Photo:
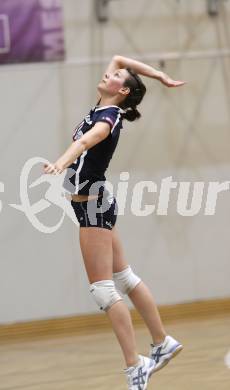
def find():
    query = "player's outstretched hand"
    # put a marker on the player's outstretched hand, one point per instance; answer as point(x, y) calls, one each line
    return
point(166, 80)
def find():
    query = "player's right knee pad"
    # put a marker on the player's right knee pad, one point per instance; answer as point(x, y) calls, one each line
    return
point(105, 293)
point(126, 280)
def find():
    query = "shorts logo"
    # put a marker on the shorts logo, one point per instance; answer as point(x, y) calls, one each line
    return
point(109, 224)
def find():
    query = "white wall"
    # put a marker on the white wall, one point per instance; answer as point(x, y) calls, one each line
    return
point(184, 133)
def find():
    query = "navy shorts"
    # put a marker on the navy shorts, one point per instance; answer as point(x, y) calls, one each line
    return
point(101, 212)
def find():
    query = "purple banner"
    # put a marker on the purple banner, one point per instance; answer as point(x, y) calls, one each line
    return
point(31, 31)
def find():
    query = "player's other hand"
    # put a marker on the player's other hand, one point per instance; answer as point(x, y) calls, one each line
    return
point(52, 169)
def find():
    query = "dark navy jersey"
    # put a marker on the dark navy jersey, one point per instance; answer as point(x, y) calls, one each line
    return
point(87, 174)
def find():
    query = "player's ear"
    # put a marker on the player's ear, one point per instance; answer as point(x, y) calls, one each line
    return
point(124, 91)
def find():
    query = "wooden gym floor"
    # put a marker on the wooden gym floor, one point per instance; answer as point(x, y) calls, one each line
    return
point(94, 361)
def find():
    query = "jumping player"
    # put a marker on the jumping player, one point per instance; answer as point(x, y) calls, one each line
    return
point(120, 91)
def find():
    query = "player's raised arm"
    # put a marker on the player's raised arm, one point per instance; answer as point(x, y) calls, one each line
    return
point(120, 62)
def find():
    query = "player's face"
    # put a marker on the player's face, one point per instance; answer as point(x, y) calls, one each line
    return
point(113, 83)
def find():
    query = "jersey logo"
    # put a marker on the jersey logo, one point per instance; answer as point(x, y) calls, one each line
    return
point(88, 120)
point(78, 135)
point(77, 130)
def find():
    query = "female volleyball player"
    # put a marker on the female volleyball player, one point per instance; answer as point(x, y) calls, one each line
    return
point(120, 92)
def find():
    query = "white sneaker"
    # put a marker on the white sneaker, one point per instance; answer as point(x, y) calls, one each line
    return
point(163, 353)
point(138, 376)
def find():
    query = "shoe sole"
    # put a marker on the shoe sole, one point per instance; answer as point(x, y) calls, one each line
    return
point(166, 361)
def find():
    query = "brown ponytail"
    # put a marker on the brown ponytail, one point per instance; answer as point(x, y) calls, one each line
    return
point(131, 114)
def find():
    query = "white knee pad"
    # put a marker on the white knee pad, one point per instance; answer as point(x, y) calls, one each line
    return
point(105, 293)
point(126, 280)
